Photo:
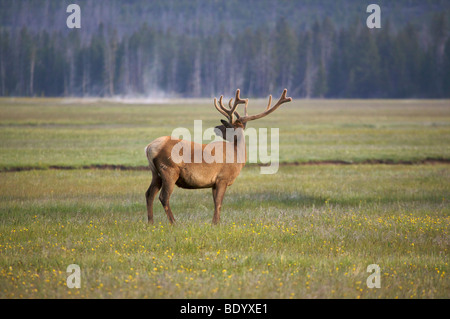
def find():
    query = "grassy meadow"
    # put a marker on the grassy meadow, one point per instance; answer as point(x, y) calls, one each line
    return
point(38, 133)
point(308, 231)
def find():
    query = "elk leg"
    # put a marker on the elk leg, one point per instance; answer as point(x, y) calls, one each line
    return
point(164, 196)
point(218, 194)
point(150, 194)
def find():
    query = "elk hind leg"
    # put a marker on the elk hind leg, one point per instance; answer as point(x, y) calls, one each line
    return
point(150, 195)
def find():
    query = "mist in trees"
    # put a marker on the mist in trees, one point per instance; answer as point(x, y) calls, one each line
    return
point(323, 60)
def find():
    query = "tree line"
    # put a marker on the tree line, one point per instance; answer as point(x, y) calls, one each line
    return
point(323, 60)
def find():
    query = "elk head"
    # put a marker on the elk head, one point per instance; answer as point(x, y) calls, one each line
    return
point(229, 113)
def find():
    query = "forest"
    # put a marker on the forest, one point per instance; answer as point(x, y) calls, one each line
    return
point(176, 50)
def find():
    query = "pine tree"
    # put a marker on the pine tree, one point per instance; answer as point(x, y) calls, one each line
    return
point(446, 67)
point(321, 87)
point(4, 62)
point(284, 54)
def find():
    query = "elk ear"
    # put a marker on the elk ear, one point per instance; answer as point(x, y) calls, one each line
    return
point(219, 130)
point(226, 124)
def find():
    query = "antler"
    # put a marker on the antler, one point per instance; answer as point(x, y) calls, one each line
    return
point(232, 108)
point(283, 99)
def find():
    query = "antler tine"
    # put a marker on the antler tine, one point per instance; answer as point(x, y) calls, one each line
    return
point(237, 101)
point(230, 107)
point(220, 107)
point(230, 112)
point(283, 99)
point(245, 110)
point(270, 102)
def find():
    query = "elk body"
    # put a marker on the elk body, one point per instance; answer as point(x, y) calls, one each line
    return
point(217, 175)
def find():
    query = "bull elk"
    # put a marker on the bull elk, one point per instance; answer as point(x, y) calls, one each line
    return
point(217, 175)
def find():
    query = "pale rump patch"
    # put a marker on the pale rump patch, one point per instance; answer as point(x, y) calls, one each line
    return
point(153, 149)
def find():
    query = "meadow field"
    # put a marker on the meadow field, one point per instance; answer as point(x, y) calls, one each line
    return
point(361, 182)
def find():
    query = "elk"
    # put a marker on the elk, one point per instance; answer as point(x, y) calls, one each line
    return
point(218, 175)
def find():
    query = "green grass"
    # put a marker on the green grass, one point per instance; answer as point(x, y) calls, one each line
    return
point(44, 132)
point(309, 231)
point(305, 232)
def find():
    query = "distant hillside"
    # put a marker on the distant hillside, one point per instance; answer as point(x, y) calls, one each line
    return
point(199, 48)
point(205, 17)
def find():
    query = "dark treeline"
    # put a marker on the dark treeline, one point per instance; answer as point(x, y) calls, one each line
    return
point(323, 60)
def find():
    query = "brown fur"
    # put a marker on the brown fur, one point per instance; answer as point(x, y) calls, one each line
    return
point(168, 172)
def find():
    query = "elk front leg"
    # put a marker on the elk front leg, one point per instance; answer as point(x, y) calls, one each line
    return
point(150, 194)
point(218, 194)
